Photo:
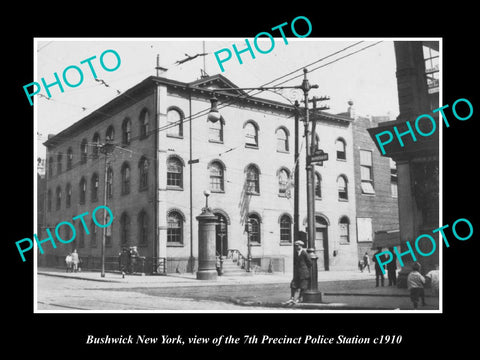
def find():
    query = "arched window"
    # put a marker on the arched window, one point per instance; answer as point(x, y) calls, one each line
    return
point(283, 181)
point(69, 158)
point(175, 123)
point(109, 182)
point(282, 140)
point(126, 131)
point(318, 185)
point(251, 134)
point(174, 228)
point(342, 184)
point(68, 195)
point(124, 228)
point(59, 163)
point(254, 228)
point(142, 228)
point(94, 187)
point(58, 198)
point(253, 180)
point(143, 172)
point(82, 190)
point(144, 124)
point(125, 173)
point(96, 145)
point(344, 225)
point(341, 149)
point(174, 172)
point(83, 151)
point(216, 176)
point(285, 229)
point(110, 134)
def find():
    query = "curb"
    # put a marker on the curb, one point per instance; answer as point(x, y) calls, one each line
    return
point(76, 277)
point(308, 306)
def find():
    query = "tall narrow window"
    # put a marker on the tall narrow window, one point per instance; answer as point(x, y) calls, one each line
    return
point(126, 131)
point(109, 183)
point(282, 140)
point(344, 225)
point(318, 185)
point(283, 180)
point(143, 170)
point(125, 173)
point(174, 172)
point(124, 229)
point(366, 172)
point(83, 151)
point(142, 228)
point(110, 134)
point(174, 228)
point(216, 177)
point(341, 149)
point(342, 188)
point(175, 123)
point(95, 145)
point(251, 134)
point(93, 234)
point(253, 180)
point(393, 178)
point(69, 158)
point(254, 229)
point(68, 195)
point(285, 229)
point(82, 190)
point(94, 187)
point(144, 124)
point(59, 163)
point(58, 198)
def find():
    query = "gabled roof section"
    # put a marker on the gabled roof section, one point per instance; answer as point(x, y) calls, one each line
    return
point(217, 81)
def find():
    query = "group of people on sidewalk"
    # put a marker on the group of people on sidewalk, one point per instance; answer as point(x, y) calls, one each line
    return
point(72, 261)
point(127, 259)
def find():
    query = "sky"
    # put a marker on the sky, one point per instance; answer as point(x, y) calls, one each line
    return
point(363, 73)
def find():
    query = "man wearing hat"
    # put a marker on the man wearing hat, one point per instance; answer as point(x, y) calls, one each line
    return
point(301, 272)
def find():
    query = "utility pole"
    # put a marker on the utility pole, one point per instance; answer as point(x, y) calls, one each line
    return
point(296, 184)
point(107, 150)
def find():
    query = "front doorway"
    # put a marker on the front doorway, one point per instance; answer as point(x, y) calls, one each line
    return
point(221, 235)
point(321, 241)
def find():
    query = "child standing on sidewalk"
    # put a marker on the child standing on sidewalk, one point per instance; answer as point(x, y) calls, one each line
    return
point(415, 283)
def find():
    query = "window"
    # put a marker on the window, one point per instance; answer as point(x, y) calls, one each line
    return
point(68, 195)
point(125, 172)
point(283, 181)
point(174, 228)
point(253, 180)
point(83, 190)
point(109, 183)
point(93, 234)
point(216, 177)
point(215, 131)
point(393, 178)
point(142, 228)
point(94, 187)
point(144, 124)
point(251, 134)
point(254, 228)
point(174, 172)
point(69, 158)
point(58, 198)
point(83, 151)
point(318, 185)
point(96, 145)
point(366, 172)
point(342, 188)
point(175, 123)
point(49, 200)
point(126, 131)
point(50, 167)
point(110, 134)
point(321, 232)
point(285, 229)
point(341, 153)
point(344, 226)
point(124, 228)
point(282, 140)
point(59, 163)
point(143, 170)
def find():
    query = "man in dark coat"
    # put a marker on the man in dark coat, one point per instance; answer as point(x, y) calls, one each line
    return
point(124, 261)
point(301, 272)
point(378, 269)
point(392, 269)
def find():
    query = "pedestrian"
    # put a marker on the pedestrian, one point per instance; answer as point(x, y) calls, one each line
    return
point(301, 273)
point(392, 269)
point(75, 260)
point(124, 261)
point(366, 262)
point(415, 283)
point(378, 270)
point(133, 258)
point(433, 278)
point(68, 262)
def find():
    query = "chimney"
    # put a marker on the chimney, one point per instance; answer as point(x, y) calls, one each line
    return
point(351, 109)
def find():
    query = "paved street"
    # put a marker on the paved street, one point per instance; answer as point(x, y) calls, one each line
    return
point(88, 291)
